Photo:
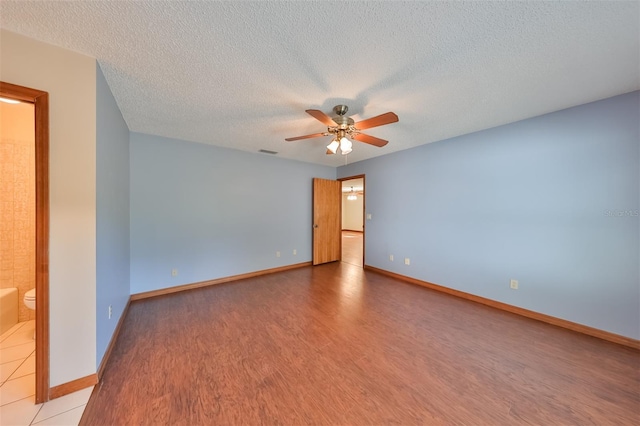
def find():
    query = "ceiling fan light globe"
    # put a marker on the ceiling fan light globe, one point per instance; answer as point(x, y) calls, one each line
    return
point(345, 146)
point(333, 146)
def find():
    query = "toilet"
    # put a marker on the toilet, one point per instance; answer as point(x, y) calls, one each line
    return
point(30, 302)
point(30, 299)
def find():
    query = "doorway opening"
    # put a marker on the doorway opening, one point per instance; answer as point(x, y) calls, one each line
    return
point(38, 189)
point(353, 225)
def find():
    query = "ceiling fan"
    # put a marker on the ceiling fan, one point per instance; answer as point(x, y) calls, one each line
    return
point(342, 127)
point(352, 194)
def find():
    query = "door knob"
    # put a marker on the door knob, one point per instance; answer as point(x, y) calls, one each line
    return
point(315, 225)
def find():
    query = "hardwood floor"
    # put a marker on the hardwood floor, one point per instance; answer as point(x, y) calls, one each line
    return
point(335, 344)
point(352, 245)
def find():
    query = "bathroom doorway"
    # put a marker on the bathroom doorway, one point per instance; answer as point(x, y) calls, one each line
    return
point(353, 225)
point(24, 159)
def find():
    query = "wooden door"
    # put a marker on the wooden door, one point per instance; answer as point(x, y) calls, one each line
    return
point(327, 214)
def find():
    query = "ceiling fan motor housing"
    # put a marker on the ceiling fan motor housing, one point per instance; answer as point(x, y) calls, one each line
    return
point(341, 120)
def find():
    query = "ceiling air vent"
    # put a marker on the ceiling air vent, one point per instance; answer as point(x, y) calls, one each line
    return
point(266, 151)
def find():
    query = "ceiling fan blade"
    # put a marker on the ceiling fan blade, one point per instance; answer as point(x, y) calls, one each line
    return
point(329, 152)
point(297, 138)
point(378, 120)
point(371, 140)
point(321, 117)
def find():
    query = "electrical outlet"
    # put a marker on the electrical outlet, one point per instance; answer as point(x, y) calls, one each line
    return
point(277, 254)
point(368, 216)
point(174, 272)
point(407, 261)
point(110, 311)
point(514, 284)
point(391, 257)
point(295, 252)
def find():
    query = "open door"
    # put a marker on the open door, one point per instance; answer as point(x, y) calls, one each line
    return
point(327, 215)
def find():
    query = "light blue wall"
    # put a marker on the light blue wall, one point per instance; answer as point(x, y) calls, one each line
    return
point(537, 201)
point(112, 214)
point(212, 212)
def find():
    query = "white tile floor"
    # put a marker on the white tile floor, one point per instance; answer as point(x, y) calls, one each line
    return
point(17, 385)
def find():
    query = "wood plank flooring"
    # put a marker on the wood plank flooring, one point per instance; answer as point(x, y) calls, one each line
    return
point(337, 345)
point(352, 245)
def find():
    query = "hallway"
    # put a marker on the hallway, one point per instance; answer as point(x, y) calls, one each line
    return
point(352, 246)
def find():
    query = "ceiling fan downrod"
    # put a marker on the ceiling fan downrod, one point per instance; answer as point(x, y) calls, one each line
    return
point(340, 109)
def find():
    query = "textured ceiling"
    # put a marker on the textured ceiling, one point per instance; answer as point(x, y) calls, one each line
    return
point(241, 74)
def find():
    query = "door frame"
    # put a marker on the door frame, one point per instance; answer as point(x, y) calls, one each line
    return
point(364, 208)
point(40, 100)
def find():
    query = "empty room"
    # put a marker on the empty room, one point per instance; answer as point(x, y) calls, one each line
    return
point(319, 212)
